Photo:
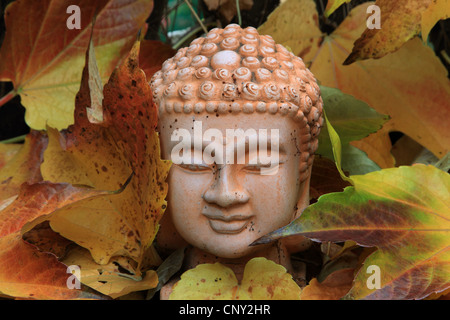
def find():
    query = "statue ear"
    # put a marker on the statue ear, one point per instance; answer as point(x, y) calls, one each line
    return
point(303, 196)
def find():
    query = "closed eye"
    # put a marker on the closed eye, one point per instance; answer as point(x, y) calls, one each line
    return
point(256, 168)
point(195, 167)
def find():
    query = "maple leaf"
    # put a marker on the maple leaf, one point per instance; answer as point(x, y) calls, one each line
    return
point(44, 58)
point(103, 156)
point(404, 212)
point(112, 279)
point(410, 85)
point(25, 272)
point(21, 163)
point(305, 37)
point(400, 21)
point(262, 280)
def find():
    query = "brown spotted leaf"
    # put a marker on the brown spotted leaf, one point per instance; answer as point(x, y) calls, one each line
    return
point(25, 271)
point(399, 22)
point(44, 58)
point(103, 156)
point(404, 212)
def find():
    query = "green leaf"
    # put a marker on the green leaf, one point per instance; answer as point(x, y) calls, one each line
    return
point(336, 147)
point(352, 120)
point(404, 212)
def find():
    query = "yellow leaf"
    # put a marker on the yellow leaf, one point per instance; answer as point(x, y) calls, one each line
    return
point(400, 22)
point(265, 280)
point(410, 85)
point(262, 280)
point(206, 282)
point(295, 24)
point(438, 10)
point(20, 163)
point(332, 5)
point(104, 156)
point(108, 279)
point(44, 58)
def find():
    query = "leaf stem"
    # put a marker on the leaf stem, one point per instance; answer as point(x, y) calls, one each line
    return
point(186, 37)
point(196, 16)
point(15, 139)
point(238, 10)
point(7, 97)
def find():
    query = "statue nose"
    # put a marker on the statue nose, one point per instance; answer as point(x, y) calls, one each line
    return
point(225, 191)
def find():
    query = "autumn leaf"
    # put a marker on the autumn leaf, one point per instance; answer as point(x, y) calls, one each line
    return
point(152, 55)
point(303, 39)
point(25, 271)
point(415, 94)
point(410, 85)
point(404, 212)
point(7, 152)
point(332, 5)
point(44, 58)
point(325, 178)
point(437, 10)
point(334, 287)
point(21, 163)
point(400, 22)
point(103, 156)
point(262, 280)
point(111, 279)
point(46, 240)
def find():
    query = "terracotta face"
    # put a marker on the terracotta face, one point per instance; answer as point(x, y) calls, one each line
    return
point(222, 208)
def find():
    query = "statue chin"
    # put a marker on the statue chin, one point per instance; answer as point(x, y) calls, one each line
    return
point(239, 117)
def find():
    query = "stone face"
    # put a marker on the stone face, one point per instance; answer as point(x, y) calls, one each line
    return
point(234, 78)
point(248, 71)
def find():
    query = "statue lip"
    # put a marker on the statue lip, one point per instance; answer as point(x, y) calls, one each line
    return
point(227, 224)
point(225, 218)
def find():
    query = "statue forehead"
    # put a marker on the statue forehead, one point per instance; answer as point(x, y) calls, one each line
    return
point(238, 73)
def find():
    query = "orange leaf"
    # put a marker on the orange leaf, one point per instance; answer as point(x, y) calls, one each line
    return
point(334, 287)
point(410, 85)
point(103, 156)
point(44, 58)
point(152, 54)
point(26, 272)
point(23, 166)
point(400, 22)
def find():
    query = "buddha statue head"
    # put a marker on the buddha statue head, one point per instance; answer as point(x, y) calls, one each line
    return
point(239, 116)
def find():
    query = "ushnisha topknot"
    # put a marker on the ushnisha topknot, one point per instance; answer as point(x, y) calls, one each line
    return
point(235, 70)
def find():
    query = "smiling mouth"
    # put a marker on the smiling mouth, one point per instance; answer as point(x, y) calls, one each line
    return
point(228, 224)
